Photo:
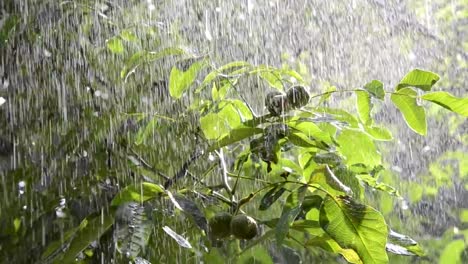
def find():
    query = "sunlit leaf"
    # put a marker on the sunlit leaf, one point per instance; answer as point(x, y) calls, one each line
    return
point(373, 183)
point(448, 101)
point(217, 125)
point(375, 88)
point(310, 129)
point(452, 252)
point(115, 45)
point(364, 106)
point(273, 78)
point(137, 193)
point(357, 147)
point(355, 226)
point(378, 133)
point(327, 243)
point(414, 115)
point(178, 238)
point(417, 78)
point(180, 81)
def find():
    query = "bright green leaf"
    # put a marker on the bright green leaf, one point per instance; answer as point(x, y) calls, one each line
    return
point(452, 252)
point(127, 35)
point(327, 243)
point(234, 135)
point(311, 130)
point(417, 78)
point(355, 226)
point(364, 106)
point(115, 45)
point(448, 101)
point(358, 147)
point(179, 81)
point(378, 133)
point(216, 125)
point(376, 89)
point(137, 193)
point(414, 115)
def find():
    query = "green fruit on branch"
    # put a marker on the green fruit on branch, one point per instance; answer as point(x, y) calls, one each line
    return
point(244, 227)
point(297, 96)
point(220, 225)
point(276, 103)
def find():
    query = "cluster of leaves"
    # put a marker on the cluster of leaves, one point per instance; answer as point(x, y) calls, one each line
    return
point(324, 160)
point(302, 175)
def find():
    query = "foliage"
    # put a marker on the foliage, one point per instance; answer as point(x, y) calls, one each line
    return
point(303, 173)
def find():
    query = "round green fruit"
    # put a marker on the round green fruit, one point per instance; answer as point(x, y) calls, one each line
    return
point(220, 225)
point(297, 96)
point(244, 227)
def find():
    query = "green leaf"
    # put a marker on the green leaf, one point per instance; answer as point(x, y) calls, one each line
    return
point(9, 26)
point(132, 229)
point(356, 226)
point(115, 45)
point(311, 130)
point(448, 101)
point(358, 147)
point(127, 35)
point(145, 131)
point(327, 243)
point(414, 115)
point(373, 183)
point(217, 125)
point(234, 136)
point(340, 115)
point(452, 252)
point(137, 193)
point(90, 230)
point(326, 95)
point(179, 81)
point(364, 106)
point(273, 78)
point(143, 56)
point(417, 78)
point(403, 245)
point(378, 133)
point(375, 88)
point(301, 140)
point(291, 210)
point(183, 242)
point(271, 197)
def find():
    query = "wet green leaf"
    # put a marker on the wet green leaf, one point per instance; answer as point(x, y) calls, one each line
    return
point(417, 78)
point(364, 106)
point(137, 193)
point(128, 35)
point(90, 230)
point(355, 226)
point(376, 89)
point(271, 197)
point(448, 101)
point(115, 45)
point(180, 81)
point(358, 147)
point(414, 115)
point(452, 252)
point(327, 243)
point(291, 210)
point(378, 133)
